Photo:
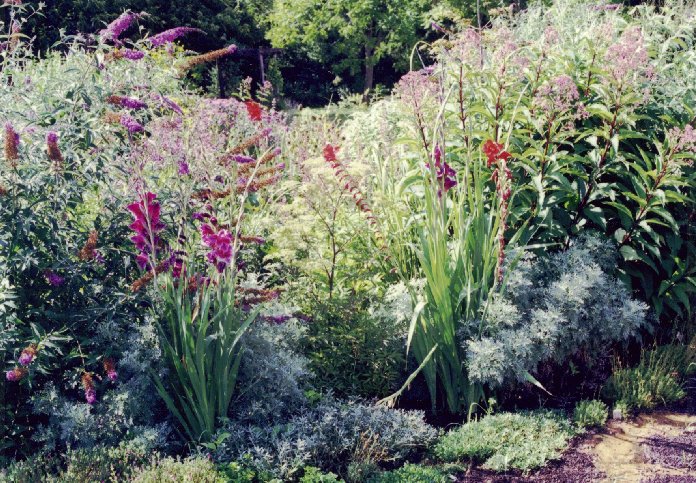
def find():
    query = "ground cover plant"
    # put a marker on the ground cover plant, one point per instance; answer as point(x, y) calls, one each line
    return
point(223, 290)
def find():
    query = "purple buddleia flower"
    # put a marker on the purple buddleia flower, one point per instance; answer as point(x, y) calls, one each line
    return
point(114, 30)
point(54, 279)
point(241, 159)
point(184, 168)
point(171, 35)
point(131, 54)
point(14, 375)
point(131, 124)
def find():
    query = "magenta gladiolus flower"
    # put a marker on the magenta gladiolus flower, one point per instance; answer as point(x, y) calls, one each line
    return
point(220, 244)
point(443, 171)
point(171, 35)
point(146, 226)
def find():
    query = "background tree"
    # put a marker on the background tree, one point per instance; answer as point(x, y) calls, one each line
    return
point(349, 35)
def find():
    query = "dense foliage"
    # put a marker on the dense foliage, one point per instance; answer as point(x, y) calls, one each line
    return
point(219, 289)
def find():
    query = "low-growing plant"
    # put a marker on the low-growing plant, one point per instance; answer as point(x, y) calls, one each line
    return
point(170, 470)
point(330, 436)
point(589, 414)
point(653, 382)
point(315, 475)
point(412, 473)
point(504, 441)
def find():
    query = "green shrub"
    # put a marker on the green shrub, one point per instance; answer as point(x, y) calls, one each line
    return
point(351, 353)
point(654, 381)
point(315, 475)
point(503, 441)
point(412, 473)
point(193, 470)
point(590, 413)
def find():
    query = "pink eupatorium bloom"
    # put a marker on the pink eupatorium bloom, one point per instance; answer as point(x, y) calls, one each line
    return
point(146, 226)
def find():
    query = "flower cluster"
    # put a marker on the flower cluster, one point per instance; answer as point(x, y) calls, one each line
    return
point(11, 144)
point(170, 35)
point(110, 369)
point(28, 354)
point(89, 250)
point(628, 58)
point(254, 110)
point(683, 140)
point(446, 175)
point(16, 374)
point(330, 156)
point(192, 62)
point(127, 102)
point(498, 157)
point(114, 30)
point(89, 388)
point(53, 278)
point(52, 148)
point(131, 124)
point(146, 226)
point(220, 244)
point(557, 96)
point(128, 54)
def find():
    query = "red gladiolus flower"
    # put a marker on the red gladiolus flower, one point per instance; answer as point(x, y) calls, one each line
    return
point(330, 153)
point(254, 110)
point(494, 151)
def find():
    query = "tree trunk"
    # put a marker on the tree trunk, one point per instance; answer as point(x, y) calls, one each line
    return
point(369, 72)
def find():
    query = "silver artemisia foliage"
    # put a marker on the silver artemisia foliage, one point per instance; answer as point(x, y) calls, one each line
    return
point(552, 308)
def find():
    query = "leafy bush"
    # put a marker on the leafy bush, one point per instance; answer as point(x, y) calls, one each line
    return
point(107, 464)
point(590, 413)
point(191, 470)
point(315, 475)
point(352, 353)
point(654, 381)
point(552, 308)
point(328, 436)
point(412, 473)
point(503, 441)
